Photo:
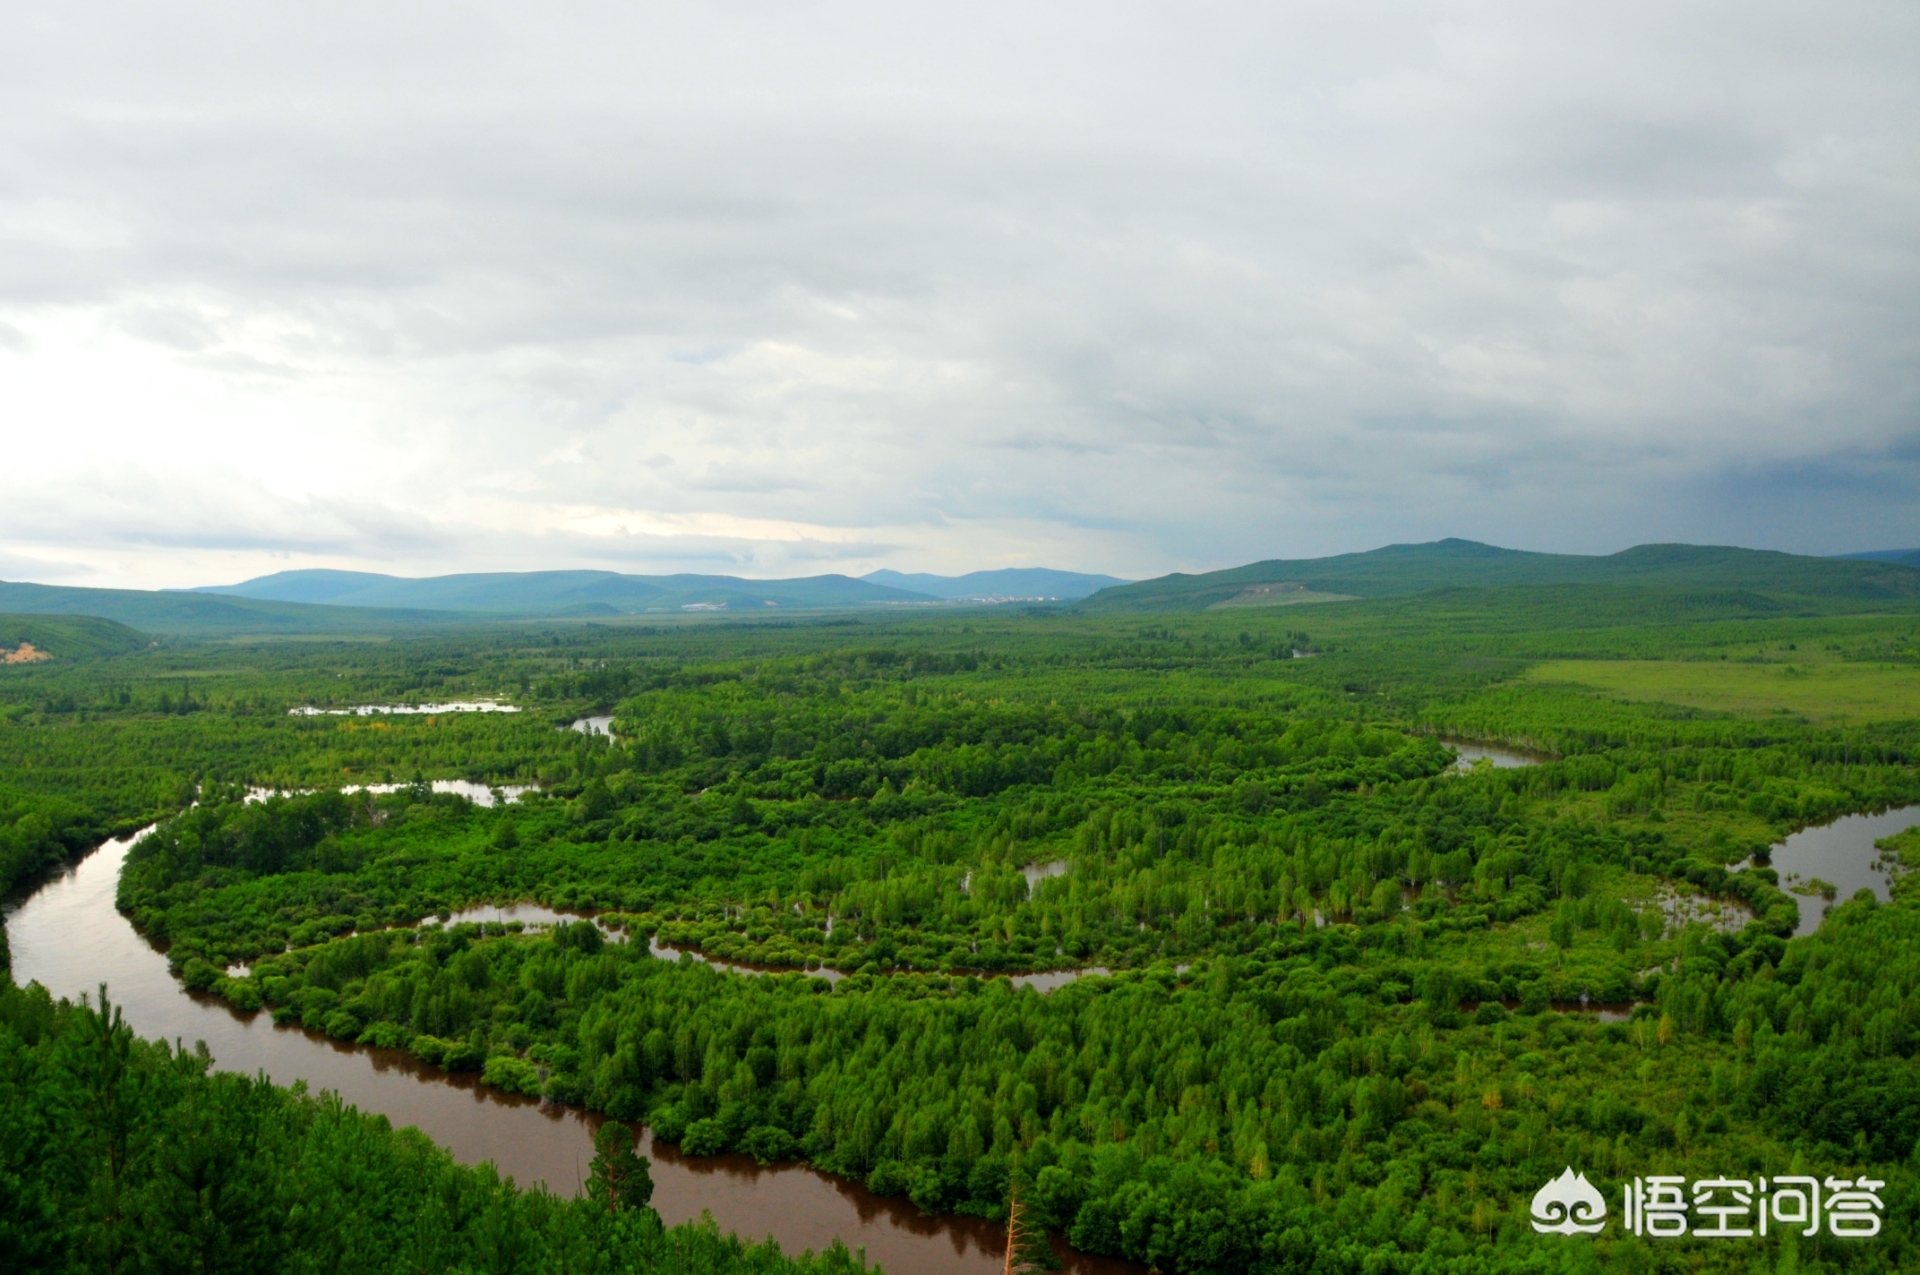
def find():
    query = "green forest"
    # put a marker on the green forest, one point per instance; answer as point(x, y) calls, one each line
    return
point(1314, 993)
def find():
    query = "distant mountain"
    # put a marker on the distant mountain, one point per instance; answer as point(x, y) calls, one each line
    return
point(562, 593)
point(317, 586)
point(198, 615)
point(1905, 557)
point(1407, 569)
point(33, 639)
point(1012, 583)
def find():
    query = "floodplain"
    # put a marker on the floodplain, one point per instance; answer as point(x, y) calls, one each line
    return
point(1214, 956)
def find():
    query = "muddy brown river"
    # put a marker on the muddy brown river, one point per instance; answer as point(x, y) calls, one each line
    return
point(67, 936)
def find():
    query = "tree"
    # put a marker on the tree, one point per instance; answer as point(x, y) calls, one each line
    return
point(1028, 1252)
point(618, 1179)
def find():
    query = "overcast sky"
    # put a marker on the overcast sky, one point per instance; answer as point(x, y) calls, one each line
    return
point(778, 289)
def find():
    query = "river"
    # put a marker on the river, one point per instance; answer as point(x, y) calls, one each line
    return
point(67, 936)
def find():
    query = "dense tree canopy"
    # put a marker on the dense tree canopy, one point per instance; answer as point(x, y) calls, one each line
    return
point(1320, 998)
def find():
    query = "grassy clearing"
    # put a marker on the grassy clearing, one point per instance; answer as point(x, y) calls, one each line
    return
point(1821, 691)
point(1278, 595)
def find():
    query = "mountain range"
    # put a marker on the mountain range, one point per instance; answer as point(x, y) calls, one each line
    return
point(1406, 569)
point(1012, 584)
point(327, 601)
point(341, 602)
point(589, 593)
point(203, 615)
point(564, 593)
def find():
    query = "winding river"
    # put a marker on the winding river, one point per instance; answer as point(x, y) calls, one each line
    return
point(67, 935)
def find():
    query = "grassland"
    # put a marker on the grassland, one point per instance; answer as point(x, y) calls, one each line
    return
point(1816, 688)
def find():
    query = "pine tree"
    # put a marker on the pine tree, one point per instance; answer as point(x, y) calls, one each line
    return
point(618, 1179)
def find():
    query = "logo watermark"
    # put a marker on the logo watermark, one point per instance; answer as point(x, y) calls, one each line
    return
point(1662, 1207)
point(1570, 1205)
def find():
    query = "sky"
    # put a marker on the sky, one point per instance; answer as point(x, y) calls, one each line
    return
point(778, 289)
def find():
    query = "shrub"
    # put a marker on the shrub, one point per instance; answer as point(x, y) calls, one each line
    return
point(704, 1137)
point(243, 994)
point(386, 1036)
point(515, 1075)
point(199, 976)
point(767, 1143)
point(669, 1123)
point(889, 1177)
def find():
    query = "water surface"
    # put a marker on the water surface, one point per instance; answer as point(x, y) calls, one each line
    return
point(535, 914)
point(1842, 854)
point(1501, 758)
point(369, 710)
point(478, 794)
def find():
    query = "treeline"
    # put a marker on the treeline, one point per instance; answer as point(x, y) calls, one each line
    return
point(118, 1154)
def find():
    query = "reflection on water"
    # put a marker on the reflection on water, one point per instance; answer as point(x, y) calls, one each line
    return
point(662, 951)
point(594, 726)
point(1840, 854)
point(1053, 979)
point(804, 1209)
point(369, 710)
point(523, 912)
point(1500, 758)
point(478, 794)
point(1683, 907)
point(535, 914)
point(67, 936)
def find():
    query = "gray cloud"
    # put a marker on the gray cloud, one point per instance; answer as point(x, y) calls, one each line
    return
point(1132, 290)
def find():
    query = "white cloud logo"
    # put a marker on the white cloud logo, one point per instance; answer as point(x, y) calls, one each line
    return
point(1569, 1205)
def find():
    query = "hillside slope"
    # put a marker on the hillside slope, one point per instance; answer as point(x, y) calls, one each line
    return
point(1011, 582)
point(1904, 557)
point(1407, 569)
point(33, 639)
point(198, 615)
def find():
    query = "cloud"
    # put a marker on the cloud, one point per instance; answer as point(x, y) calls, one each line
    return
point(18, 566)
point(949, 289)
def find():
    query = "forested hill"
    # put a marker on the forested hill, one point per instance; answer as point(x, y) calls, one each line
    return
point(199, 615)
point(1408, 569)
point(33, 639)
point(1905, 557)
point(1013, 582)
point(578, 593)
